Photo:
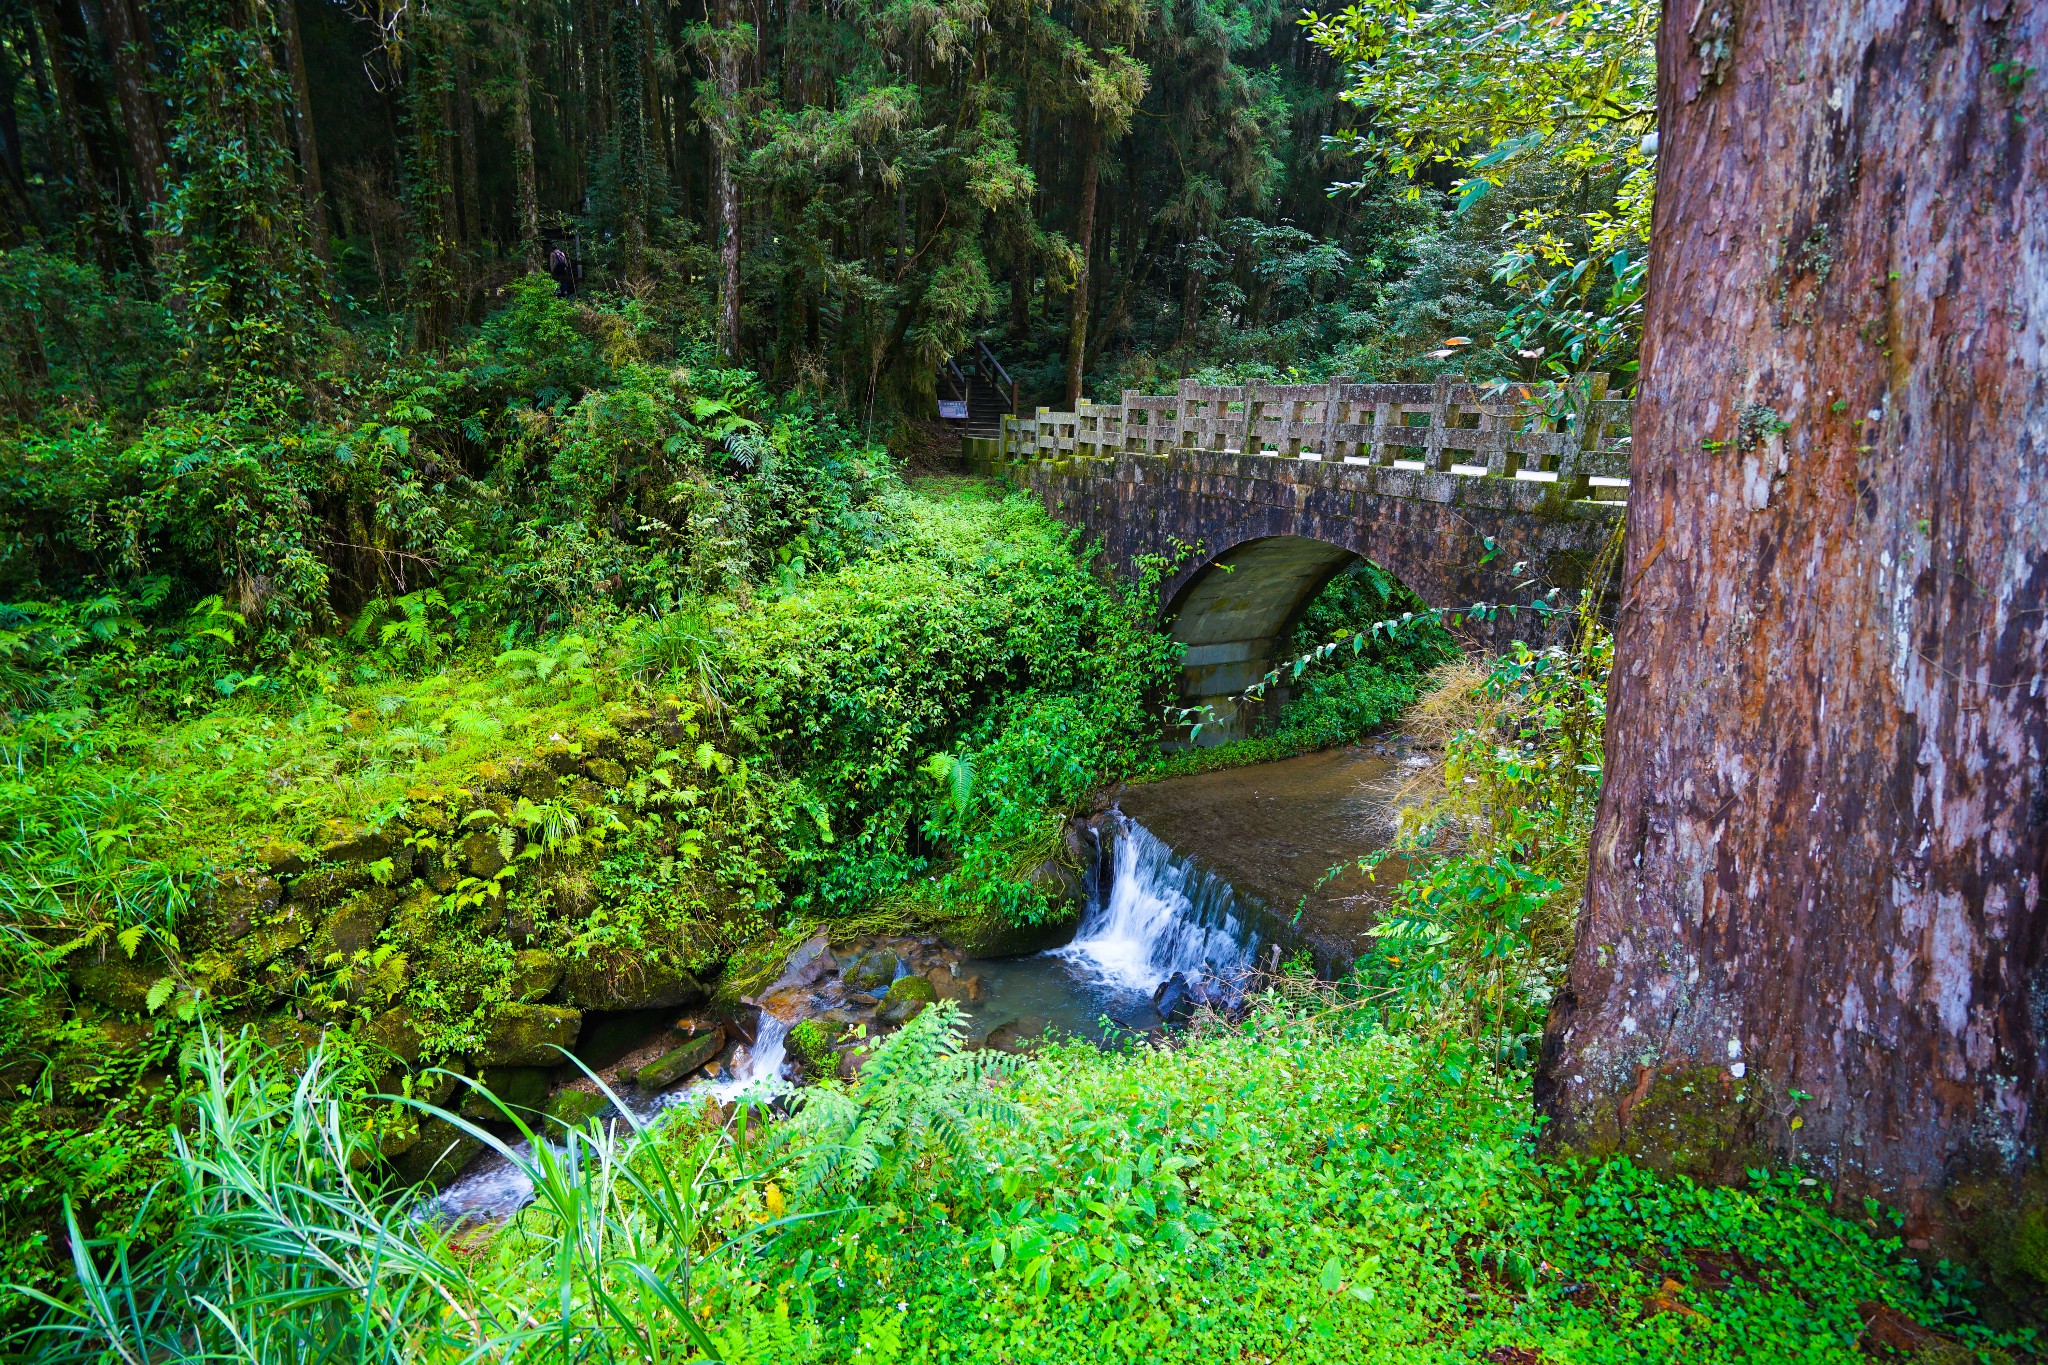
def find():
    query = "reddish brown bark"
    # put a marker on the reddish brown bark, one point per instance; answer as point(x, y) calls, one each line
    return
point(1818, 864)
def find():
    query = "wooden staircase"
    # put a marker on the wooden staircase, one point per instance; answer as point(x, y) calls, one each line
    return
point(990, 393)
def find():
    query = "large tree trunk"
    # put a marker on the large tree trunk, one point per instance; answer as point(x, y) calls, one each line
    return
point(311, 188)
point(1813, 929)
point(629, 85)
point(126, 41)
point(87, 196)
point(465, 128)
point(1077, 335)
point(725, 146)
point(18, 218)
point(524, 172)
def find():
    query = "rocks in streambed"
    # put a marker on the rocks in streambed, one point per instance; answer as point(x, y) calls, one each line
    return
point(437, 1153)
point(665, 1070)
point(872, 971)
point(572, 1108)
point(521, 1089)
point(1178, 999)
point(811, 1045)
point(907, 995)
point(1019, 1035)
point(947, 986)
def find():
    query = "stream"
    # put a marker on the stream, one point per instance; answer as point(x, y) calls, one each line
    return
point(1265, 836)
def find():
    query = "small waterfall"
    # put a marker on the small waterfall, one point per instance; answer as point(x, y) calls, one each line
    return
point(495, 1188)
point(1163, 914)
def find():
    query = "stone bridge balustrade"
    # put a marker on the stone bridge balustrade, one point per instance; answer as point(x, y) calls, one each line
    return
point(1257, 495)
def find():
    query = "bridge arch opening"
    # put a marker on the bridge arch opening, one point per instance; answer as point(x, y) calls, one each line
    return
point(1234, 614)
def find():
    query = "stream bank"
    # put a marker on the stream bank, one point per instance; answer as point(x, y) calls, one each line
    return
point(1188, 885)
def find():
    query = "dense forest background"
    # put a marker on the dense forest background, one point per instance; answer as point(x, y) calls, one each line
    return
point(843, 196)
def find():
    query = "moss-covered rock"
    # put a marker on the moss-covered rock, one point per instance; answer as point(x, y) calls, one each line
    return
point(117, 981)
point(292, 1039)
point(534, 974)
point(527, 1035)
point(665, 1070)
point(237, 901)
point(811, 1045)
point(418, 916)
point(574, 1108)
point(344, 843)
point(327, 884)
point(906, 997)
point(437, 1154)
point(353, 925)
point(482, 853)
point(872, 971)
point(522, 1089)
point(916, 988)
point(396, 1032)
point(628, 984)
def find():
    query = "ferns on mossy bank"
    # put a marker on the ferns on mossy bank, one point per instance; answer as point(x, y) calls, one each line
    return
point(919, 1089)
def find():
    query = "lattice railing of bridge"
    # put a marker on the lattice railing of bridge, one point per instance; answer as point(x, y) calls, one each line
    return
point(1464, 430)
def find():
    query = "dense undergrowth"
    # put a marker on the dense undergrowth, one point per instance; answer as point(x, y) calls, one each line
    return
point(1349, 1173)
point(244, 629)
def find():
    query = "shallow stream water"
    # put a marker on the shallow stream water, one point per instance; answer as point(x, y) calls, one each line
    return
point(1208, 874)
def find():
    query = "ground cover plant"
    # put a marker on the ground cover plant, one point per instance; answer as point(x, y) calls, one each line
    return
point(1305, 1185)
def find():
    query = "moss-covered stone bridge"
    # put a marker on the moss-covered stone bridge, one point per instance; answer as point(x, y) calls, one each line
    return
point(1256, 496)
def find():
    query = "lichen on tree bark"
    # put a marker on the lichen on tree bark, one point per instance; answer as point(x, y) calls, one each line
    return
point(1817, 872)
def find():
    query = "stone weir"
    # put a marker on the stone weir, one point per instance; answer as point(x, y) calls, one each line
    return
point(1253, 497)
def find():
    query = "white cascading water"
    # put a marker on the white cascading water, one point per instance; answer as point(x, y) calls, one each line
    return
point(1163, 915)
point(496, 1188)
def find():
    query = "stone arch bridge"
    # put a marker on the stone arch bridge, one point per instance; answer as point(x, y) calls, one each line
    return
point(1257, 496)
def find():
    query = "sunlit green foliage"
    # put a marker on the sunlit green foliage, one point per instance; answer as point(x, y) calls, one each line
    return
point(1496, 91)
point(1304, 1187)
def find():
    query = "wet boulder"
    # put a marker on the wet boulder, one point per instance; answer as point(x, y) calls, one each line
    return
point(521, 1089)
point(947, 986)
point(437, 1153)
point(872, 971)
point(1019, 1035)
point(1174, 1001)
point(811, 1045)
point(810, 963)
point(665, 1070)
point(994, 936)
point(906, 997)
point(574, 1108)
